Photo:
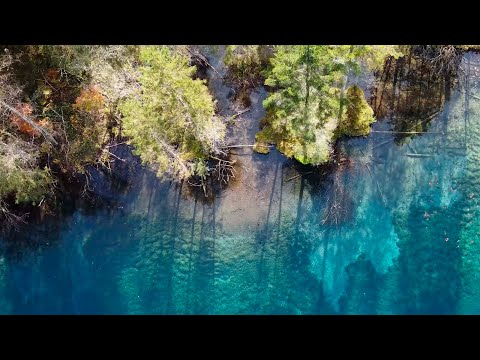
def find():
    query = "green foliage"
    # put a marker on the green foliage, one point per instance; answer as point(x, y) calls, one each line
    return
point(28, 186)
point(245, 63)
point(68, 93)
point(358, 116)
point(242, 57)
point(304, 111)
point(83, 112)
point(468, 47)
point(72, 59)
point(20, 175)
point(171, 122)
point(261, 148)
point(373, 56)
point(266, 136)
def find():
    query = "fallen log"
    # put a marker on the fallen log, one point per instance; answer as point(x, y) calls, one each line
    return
point(406, 132)
point(419, 155)
point(297, 176)
point(233, 117)
point(429, 117)
point(241, 146)
point(30, 122)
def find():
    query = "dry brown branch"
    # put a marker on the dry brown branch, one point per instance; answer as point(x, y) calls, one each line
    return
point(202, 59)
point(87, 187)
point(224, 170)
point(12, 219)
point(29, 121)
point(297, 176)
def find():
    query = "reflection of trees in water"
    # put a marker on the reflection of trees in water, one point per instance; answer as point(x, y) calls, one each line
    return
point(329, 183)
point(413, 88)
point(204, 272)
point(430, 259)
point(339, 205)
point(264, 236)
point(28, 238)
point(426, 278)
point(361, 293)
point(190, 258)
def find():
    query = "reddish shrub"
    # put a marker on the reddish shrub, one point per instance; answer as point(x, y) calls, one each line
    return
point(90, 99)
point(22, 125)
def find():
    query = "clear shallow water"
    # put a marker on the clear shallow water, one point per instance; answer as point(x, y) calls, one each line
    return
point(392, 229)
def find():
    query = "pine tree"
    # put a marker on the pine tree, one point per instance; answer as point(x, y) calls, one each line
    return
point(171, 121)
point(307, 102)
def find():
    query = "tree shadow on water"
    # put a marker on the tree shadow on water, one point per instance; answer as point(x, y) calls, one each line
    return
point(204, 275)
point(262, 238)
point(200, 263)
point(430, 259)
point(156, 257)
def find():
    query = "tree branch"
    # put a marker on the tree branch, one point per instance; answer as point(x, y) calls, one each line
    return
point(32, 123)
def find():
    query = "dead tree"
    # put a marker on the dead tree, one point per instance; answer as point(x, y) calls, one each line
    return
point(11, 219)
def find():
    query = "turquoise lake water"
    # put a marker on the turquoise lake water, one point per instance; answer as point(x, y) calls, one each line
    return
point(389, 229)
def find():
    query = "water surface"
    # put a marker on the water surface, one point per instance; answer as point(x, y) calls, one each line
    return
point(391, 228)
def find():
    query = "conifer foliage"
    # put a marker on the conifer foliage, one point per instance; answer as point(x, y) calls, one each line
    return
point(308, 101)
point(171, 121)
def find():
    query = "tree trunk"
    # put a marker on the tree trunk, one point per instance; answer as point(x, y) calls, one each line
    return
point(32, 123)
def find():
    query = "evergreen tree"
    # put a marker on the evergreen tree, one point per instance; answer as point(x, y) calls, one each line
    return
point(359, 115)
point(307, 104)
point(171, 121)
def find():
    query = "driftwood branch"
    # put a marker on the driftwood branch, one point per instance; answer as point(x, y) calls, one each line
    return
point(227, 161)
point(297, 176)
point(224, 169)
point(115, 156)
point(169, 149)
point(419, 155)
point(406, 132)
point(203, 59)
point(473, 96)
point(121, 143)
point(428, 118)
point(11, 218)
point(233, 117)
point(378, 186)
point(241, 146)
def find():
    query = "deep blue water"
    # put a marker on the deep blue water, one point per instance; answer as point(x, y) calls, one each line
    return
point(390, 229)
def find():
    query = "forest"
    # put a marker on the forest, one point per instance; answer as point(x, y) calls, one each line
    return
point(63, 108)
